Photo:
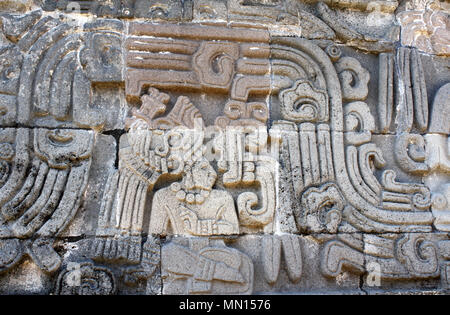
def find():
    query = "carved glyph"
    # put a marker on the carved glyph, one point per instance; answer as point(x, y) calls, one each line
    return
point(407, 256)
point(205, 267)
point(86, 279)
point(48, 79)
point(43, 191)
point(304, 103)
point(224, 147)
point(323, 209)
point(426, 27)
point(354, 79)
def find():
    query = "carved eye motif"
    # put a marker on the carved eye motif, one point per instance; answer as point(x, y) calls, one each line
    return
point(259, 111)
point(158, 11)
point(60, 137)
point(235, 110)
point(62, 147)
point(127, 11)
point(73, 7)
point(8, 71)
point(334, 52)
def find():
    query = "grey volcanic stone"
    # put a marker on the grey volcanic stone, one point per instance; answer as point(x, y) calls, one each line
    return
point(224, 147)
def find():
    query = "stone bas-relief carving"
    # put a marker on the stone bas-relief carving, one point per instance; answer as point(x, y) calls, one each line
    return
point(205, 267)
point(368, 25)
point(53, 72)
point(425, 26)
point(223, 147)
point(170, 10)
point(44, 175)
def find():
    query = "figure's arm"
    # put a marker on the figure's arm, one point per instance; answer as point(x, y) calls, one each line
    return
point(225, 221)
point(159, 219)
point(206, 227)
point(226, 218)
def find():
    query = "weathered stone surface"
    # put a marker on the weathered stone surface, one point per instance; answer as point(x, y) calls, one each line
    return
point(103, 159)
point(224, 147)
point(43, 181)
point(425, 26)
point(16, 5)
point(171, 10)
point(51, 86)
point(210, 10)
point(204, 266)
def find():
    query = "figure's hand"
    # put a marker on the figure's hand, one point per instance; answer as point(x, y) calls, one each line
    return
point(190, 220)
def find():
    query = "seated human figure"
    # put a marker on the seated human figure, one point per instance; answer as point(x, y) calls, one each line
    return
point(192, 206)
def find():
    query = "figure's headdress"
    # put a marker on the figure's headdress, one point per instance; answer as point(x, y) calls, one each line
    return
point(183, 126)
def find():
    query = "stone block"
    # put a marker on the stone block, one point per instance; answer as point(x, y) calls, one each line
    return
point(224, 147)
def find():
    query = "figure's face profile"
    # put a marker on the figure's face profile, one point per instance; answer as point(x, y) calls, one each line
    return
point(200, 176)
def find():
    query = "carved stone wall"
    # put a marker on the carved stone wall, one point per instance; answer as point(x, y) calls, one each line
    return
point(224, 147)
